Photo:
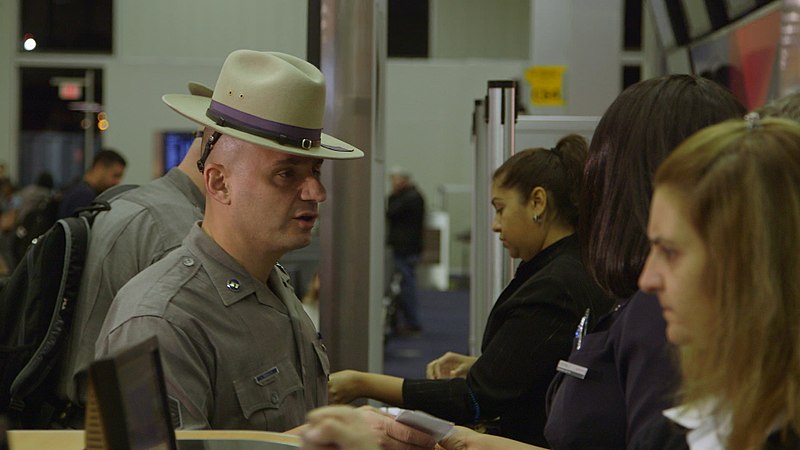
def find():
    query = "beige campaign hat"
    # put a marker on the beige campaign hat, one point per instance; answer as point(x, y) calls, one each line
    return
point(267, 98)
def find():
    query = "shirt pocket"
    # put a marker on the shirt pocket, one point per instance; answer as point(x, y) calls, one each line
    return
point(271, 391)
point(321, 397)
point(322, 356)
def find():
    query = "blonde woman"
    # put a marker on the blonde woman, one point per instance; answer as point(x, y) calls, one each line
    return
point(724, 232)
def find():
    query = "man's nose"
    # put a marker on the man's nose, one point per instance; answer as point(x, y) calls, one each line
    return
point(313, 190)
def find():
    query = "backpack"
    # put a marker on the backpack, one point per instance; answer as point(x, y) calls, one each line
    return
point(37, 303)
point(35, 223)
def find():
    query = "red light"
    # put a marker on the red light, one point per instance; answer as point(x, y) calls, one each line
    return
point(69, 91)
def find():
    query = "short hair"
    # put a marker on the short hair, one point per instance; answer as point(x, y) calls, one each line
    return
point(401, 172)
point(787, 107)
point(557, 170)
point(108, 157)
point(639, 129)
point(740, 189)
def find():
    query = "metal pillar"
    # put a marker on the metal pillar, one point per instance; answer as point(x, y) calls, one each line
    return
point(494, 143)
point(352, 57)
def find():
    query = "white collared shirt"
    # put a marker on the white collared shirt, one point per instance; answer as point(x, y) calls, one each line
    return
point(707, 431)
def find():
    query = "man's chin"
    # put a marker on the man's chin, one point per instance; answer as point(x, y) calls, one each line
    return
point(301, 242)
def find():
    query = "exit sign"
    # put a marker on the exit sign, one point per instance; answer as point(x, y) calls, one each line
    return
point(68, 90)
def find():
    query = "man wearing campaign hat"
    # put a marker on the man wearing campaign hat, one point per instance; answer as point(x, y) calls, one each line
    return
point(238, 350)
point(142, 226)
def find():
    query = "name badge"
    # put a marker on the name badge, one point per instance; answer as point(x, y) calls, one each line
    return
point(266, 377)
point(571, 369)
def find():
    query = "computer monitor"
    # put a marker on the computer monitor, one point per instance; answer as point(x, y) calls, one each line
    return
point(170, 146)
point(129, 396)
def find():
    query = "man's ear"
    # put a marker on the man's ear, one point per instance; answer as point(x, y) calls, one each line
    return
point(216, 181)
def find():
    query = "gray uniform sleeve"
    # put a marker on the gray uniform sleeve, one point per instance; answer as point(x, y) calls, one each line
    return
point(186, 366)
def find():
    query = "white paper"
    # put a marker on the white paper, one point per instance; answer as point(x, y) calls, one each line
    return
point(436, 427)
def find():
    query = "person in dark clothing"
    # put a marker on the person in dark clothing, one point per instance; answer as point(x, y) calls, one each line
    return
point(632, 368)
point(532, 324)
point(107, 170)
point(405, 213)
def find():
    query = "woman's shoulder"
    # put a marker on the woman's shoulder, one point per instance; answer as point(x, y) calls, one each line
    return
point(640, 315)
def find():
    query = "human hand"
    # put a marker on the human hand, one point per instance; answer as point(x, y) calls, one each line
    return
point(394, 435)
point(459, 440)
point(449, 365)
point(343, 386)
point(333, 427)
point(467, 439)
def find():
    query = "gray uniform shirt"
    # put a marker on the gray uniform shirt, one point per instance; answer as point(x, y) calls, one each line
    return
point(237, 353)
point(143, 225)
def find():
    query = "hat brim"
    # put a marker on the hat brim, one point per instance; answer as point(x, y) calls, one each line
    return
point(194, 108)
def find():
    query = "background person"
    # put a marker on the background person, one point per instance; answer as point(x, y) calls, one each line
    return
point(533, 322)
point(731, 303)
point(405, 213)
point(34, 213)
point(107, 170)
point(143, 225)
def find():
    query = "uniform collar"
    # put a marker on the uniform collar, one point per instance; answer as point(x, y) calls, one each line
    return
point(541, 259)
point(231, 281)
point(187, 187)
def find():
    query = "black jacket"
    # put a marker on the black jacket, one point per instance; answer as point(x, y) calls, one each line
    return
point(530, 328)
point(405, 212)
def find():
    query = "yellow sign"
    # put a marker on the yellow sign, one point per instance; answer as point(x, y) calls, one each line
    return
point(546, 85)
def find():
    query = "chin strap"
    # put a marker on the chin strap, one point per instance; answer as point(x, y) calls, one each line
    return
point(201, 163)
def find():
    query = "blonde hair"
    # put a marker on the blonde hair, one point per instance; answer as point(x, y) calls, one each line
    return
point(740, 185)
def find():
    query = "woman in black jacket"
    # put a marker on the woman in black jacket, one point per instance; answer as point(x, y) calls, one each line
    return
point(531, 326)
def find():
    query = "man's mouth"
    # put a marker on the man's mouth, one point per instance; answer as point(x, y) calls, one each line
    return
point(308, 218)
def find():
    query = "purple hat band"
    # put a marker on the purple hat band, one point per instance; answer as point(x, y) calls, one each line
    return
point(226, 116)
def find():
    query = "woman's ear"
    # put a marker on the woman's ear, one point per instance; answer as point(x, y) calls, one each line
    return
point(216, 183)
point(537, 200)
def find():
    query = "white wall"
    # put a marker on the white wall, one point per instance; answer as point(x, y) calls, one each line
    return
point(586, 37)
point(428, 129)
point(8, 85)
point(162, 45)
point(497, 29)
point(430, 102)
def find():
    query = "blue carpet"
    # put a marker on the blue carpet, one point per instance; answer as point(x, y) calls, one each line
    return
point(445, 327)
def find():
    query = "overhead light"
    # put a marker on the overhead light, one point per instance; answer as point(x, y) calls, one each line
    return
point(29, 44)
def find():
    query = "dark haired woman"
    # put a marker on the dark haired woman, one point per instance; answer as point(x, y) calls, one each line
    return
point(631, 368)
point(532, 324)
